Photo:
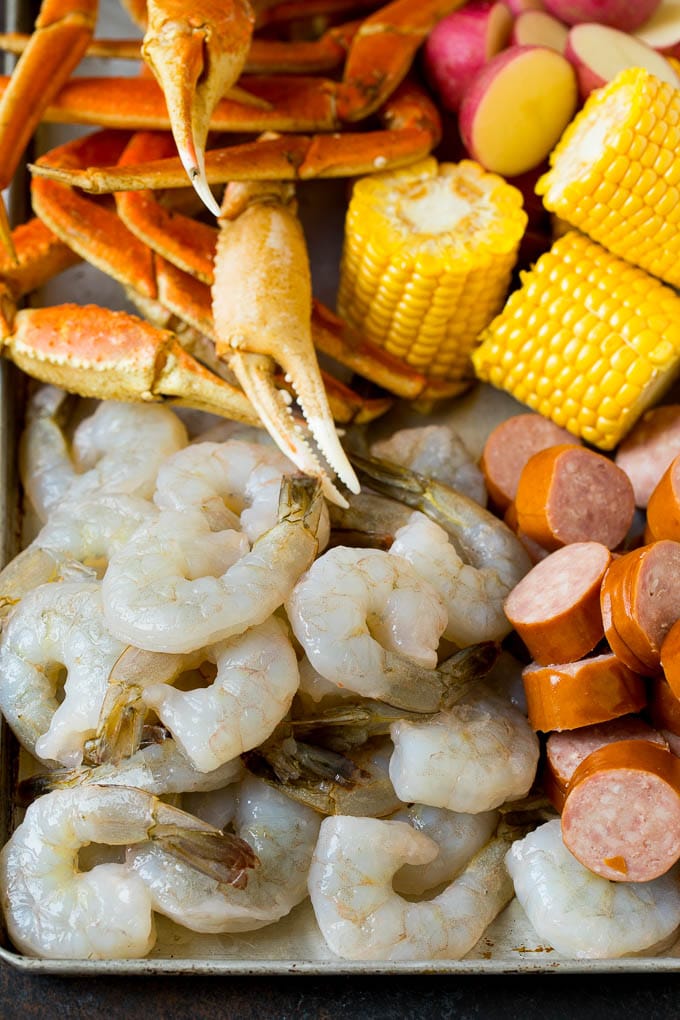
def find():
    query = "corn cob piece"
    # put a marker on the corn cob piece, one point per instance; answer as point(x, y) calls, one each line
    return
point(427, 259)
point(615, 174)
point(588, 340)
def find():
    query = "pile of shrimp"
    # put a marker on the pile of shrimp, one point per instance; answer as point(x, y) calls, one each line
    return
point(244, 698)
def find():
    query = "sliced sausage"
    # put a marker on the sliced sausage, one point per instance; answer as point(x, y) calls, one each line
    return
point(663, 509)
point(640, 601)
point(565, 751)
point(509, 447)
point(664, 707)
point(570, 494)
point(670, 658)
point(574, 694)
point(621, 815)
point(649, 448)
point(555, 608)
point(536, 552)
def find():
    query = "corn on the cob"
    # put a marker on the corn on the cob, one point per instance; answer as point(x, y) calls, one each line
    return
point(615, 174)
point(588, 341)
point(427, 260)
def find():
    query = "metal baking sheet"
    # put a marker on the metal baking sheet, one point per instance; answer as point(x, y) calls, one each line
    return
point(294, 945)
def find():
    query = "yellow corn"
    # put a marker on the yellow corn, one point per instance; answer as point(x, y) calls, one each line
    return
point(588, 340)
point(615, 174)
point(427, 259)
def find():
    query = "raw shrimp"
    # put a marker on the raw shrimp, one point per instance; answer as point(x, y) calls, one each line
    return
point(56, 628)
point(582, 914)
point(458, 837)
point(281, 833)
point(56, 911)
point(168, 589)
point(470, 758)
point(257, 677)
point(486, 560)
point(368, 622)
point(437, 452)
point(360, 915)
point(84, 534)
point(118, 449)
point(159, 768)
point(235, 483)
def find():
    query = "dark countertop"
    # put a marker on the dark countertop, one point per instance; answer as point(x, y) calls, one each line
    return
point(512, 998)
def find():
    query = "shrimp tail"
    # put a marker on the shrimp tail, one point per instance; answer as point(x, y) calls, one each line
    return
point(220, 855)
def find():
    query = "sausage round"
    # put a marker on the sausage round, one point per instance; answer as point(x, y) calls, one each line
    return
point(640, 602)
point(664, 707)
point(649, 448)
point(621, 815)
point(574, 694)
point(509, 447)
point(555, 608)
point(570, 494)
point(663, 508)
point(670, 658)
point(565, 751)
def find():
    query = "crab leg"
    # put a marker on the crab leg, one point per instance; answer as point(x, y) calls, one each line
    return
point(412, 129)
point(196, 53)
point(189, 246)
point(63, 30)
point(265, 56)
point(96, 352)
point(261, 251)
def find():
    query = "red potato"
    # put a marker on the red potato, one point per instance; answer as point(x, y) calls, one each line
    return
point(536, 28)
point(599, 53)
point(461, 44)
point(518, 7)
point(626, 15)
point(662, 30)
point(516, 108)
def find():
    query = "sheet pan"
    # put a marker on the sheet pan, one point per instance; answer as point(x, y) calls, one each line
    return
point(294, 945)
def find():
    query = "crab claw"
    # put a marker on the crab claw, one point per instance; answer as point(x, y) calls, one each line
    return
point(96, 352)
point(197, 53)
point(262, 306)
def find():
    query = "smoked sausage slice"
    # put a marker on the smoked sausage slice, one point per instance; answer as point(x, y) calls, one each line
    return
point(570, 494)
point(509, 447)
point(621, 815)
point(574, 694)
point(555, 608)
point(649, 448)
point(640, 600)
point(565, 751)
point(663, 509)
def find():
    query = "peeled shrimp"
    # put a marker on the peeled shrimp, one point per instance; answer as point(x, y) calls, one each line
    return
point(470, 758)
point(84, 534)
point(257, 677)
point(437, 452)
point(360, 915)
point(479, 567)
point(118, 449)
point(54, 628)
point(234, 481)
point(168, 589)
point(56, 911)
point(368, 622)
point(458, 837)
point(282, 834)
point(581, 914)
